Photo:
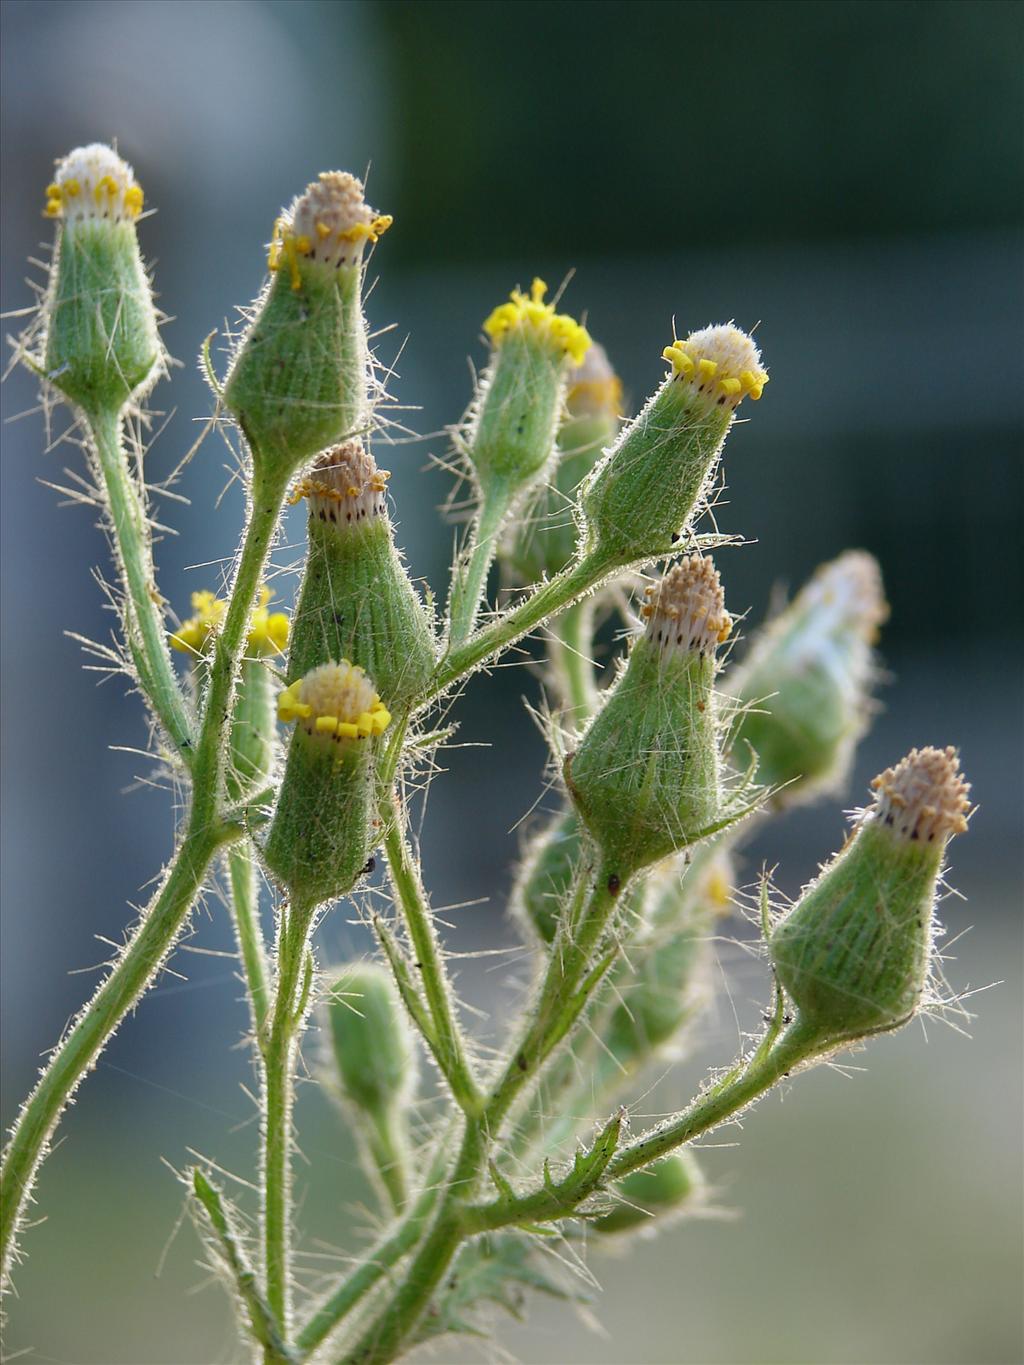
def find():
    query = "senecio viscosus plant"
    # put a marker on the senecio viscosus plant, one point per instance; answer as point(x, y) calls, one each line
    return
point(299, 742)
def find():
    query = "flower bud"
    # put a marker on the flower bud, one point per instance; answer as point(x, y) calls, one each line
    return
point(806, 680)
point(300, 379)
point(854, 951)
point(376, 1065)
point(356, 600)
point(668, 982)
point(101, 344)
point(667, 1187)
point(542, 544)
point(512, 429)
point(645, 778)
point(253, 728)
point(641, 497)
point(324, 829)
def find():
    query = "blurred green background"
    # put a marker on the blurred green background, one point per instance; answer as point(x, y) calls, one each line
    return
point(847, 175)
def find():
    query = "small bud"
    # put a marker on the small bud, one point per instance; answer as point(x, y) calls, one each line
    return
point(854, 951)
point(641, 497)
point(373, 1048)
point(807, 677)
point(544, 542)
point(253, 727)
point(356, 599)
point(668, 1187)
point(300, 379)
point(101, 344)
point(324, 830)
point(512, 430)
point(646, 778)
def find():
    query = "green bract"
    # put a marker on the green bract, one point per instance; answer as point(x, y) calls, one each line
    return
point(356, 601)
point(853, 953)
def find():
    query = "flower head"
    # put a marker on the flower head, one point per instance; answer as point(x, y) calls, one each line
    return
point(329, 222)
point(268, 631)
point(529, 313)
point(344, 486)
point(721, 362)
point(594, 387)
point(94, 183)
point(335, 701)
point(924, 797)
point(685, 611)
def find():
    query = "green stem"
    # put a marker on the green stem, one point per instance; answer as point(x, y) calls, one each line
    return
point(278, 1057)
point(796, 1045)
point(469, 581)
point(244, 877)
point(374, 1266)
point(544, 601)
point(135, 969)
point(386, 1151)
point(133, 551)
point(447, 1044)
point(569, 650)
point(163, 921)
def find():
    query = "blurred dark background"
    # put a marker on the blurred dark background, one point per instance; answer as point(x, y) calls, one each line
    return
point(845, 175)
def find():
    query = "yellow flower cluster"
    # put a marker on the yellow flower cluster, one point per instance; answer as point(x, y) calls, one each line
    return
point(523, 311)
point(337, 701)
point(268, 631)
point(94, 182)
point(720, 360)
point(331, 222)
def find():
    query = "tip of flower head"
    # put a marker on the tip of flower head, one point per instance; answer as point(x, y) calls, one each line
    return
point(685, 611)
point(721, 361)
point(93, 182)
point(329, 222)
point(268, 630)
point(594, 387)
point(924, 797)
point(529, 312)
point(344, 486)
point(335, 701)
point(850, 591)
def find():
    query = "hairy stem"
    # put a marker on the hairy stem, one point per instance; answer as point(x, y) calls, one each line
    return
point(469, 579)
point(243, 875)
point(447, 1043)
point(133, 552)
point(569, 650)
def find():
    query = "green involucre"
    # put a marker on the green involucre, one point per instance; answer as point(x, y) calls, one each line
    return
point(373, 1048)
point(253, 731)
point(102, 345)
point(853, 953)
point(645, 778)
point(356, 602)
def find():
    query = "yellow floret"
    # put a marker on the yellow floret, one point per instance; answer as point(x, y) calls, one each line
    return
point(522, 312)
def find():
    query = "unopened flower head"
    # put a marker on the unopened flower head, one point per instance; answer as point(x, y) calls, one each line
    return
point(594, 387)
point(646, 776)
point(853, 953)
point(373, 1046)
point(344, 486)
point(685, 611)
point(806, 681)
point(101, 343)
point(924, 798)
point(720, 362)
point(652, 482)
point(93, 183)
point(301, 379)
point(329, 223)
point(268, 630)
point(530, 315)
point(335, 702)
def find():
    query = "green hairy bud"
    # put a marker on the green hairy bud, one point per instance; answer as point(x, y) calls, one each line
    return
point(356, 601)
point(854, 951)
point(641, 497)
point(805, 682)
point(300, 379)
point(669, 1187)
point(101, 344)
point(324, 830)
point(512, 429)
point(646, 776)
point(376, 1066)
point(542, 544)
